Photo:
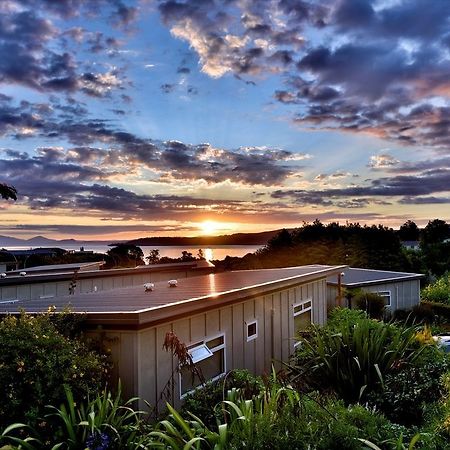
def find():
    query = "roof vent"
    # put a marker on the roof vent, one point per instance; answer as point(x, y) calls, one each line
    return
point(149, 287)
point(172, 283)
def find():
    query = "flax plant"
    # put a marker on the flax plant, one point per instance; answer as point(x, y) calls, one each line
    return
point(354, 358)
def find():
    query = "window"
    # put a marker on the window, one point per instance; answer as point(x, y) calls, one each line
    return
point(252, 330)
point(209, 359)
point(386, 296)
point(302, 316)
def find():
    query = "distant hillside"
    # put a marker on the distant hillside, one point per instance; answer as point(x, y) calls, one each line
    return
point(230, 239)
point(42, 241)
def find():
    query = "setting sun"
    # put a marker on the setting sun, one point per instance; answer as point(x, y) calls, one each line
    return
point(209, 227)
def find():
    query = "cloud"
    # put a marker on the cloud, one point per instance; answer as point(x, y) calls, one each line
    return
point(349, 65)
point(37, 52)
point(383, 161)
point(403, 188)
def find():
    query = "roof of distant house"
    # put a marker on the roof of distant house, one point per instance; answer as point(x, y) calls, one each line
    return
point(14, 277)
point(60, 268)
point(134, 305)
point(354, 277)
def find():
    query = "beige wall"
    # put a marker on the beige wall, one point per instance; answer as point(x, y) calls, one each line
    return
point(404, 294)
point(145, 368)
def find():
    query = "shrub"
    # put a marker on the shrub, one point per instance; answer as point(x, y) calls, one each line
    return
point(282, 418)
point(353, 358)
point(340, 316)
point(408, 388)
point(439, 291)
point(201, 402)
point(106, 422)
point(36, 361)
point(370, 302)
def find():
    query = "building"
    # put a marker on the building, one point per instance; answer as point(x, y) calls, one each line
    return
point(50, 269)
point(411, 245)
point(243, 319)
point(46, 282)
point(401, 290)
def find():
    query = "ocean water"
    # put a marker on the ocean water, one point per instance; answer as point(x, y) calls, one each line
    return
point(217, 252)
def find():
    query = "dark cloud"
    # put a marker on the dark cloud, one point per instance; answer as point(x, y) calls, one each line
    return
point(98, 143)
point(424, 200)
point(373, 68)
point(404, 188)
point(89, 230)
point(36, 52)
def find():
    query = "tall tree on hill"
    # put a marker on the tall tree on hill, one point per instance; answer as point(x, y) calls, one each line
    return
point(435, 232)
point(409, 231)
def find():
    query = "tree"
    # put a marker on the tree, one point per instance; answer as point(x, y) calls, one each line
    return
point(127, 255)
point(435, 232)
point(153, 257)
point(8, 191)
point(409, 231)
point(187, 256)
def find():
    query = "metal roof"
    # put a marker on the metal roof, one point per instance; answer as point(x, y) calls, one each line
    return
point(355, 277)
point(190, 292)
point(14, 278)
point(51, 268)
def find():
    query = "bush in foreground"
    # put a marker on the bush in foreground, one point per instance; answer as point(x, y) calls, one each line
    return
point(36, 361)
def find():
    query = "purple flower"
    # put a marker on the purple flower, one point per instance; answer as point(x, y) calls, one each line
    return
point(97, 441)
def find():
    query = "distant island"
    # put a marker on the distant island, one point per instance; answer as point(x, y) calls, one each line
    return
point(231, 239)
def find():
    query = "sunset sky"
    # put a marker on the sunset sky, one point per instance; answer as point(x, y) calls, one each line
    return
point(121, 119)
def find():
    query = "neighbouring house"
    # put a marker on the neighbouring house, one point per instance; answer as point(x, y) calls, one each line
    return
point(50, 269)
point(46, 282)
point(411, 245)
point(243, 319)
point(401, 290)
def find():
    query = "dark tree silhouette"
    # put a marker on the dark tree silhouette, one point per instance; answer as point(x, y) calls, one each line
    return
point(7, 191)
point(409, 231)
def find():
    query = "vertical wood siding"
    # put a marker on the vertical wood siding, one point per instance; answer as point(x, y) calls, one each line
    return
point(153, 366)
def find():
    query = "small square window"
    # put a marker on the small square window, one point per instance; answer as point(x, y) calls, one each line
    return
point(252, 330)
point(386, 296)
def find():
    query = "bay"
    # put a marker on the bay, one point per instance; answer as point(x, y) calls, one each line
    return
point(213, 252)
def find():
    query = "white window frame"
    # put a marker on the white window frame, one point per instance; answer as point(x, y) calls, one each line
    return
point(203, 344)
point(299, 308)
point(386, 295)
point(253, 336)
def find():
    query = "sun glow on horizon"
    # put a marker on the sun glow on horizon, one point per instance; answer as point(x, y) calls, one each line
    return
point(209, 227)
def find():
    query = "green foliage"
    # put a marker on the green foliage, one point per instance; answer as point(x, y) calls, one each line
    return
point(106, 422)
point(213, 392)
point(280, 418)
point(439, 291)
point(353, 358)
point(36, 360)
point(370, 302)
point(408, 388)
point(339, 316)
